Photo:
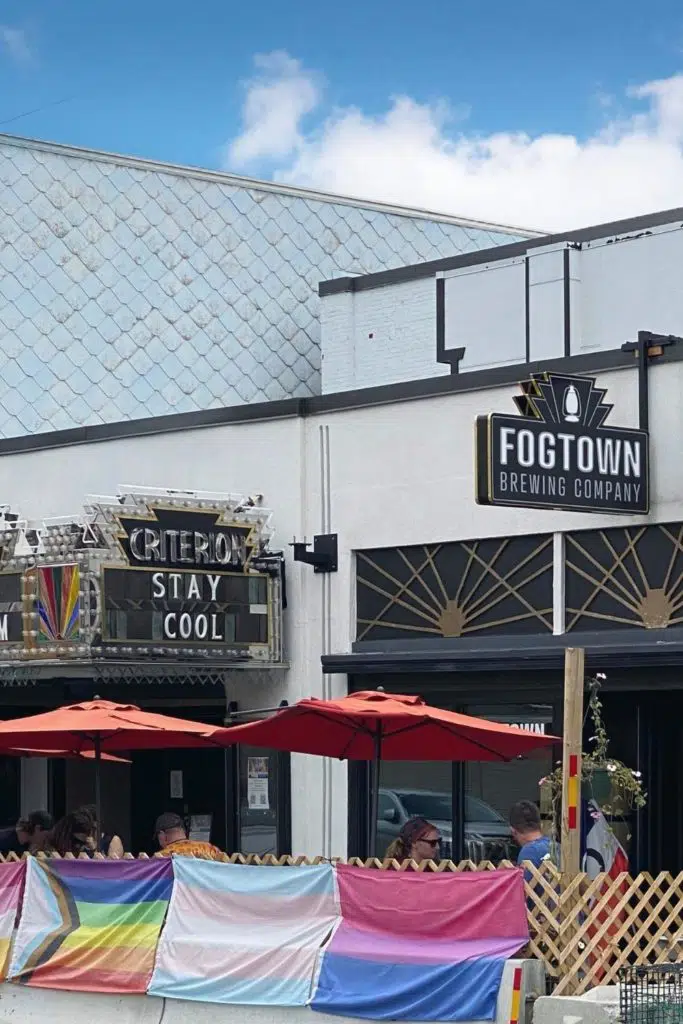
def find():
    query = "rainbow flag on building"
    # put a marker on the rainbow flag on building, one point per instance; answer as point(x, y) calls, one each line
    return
point(12, 877)
point(91, 926)
point(418, 946)
point(244, 934)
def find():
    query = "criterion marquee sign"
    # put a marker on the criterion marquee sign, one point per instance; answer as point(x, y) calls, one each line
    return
point(188, 582)
point(559, 453)
point(157, 576)
point(178, 539)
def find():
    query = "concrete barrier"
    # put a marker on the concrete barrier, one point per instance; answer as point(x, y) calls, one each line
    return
point(22, 1005)
point(598, 1006)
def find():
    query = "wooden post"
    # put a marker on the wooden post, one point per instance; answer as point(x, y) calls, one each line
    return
point(570, 836)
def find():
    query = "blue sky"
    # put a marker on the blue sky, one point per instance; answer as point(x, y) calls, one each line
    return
point(167, 80)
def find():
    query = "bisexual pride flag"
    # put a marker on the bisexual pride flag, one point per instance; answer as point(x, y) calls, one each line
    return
point(244, 933)
point(91, 925)
point(421, 946)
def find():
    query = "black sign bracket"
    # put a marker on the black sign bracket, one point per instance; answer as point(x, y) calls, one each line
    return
point(323, 557)
point(647, 346)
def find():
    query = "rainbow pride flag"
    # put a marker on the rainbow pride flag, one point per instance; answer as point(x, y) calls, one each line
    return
point(12, 877)
point(244, 934)
point(417, 946)
point(91, 926)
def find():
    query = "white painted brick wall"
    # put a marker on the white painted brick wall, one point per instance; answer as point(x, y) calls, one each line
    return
point(379, 336)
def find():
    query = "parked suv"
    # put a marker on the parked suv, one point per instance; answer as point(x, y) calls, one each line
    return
point(487, 834)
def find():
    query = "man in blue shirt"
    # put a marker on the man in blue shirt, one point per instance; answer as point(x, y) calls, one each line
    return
point(535, 847)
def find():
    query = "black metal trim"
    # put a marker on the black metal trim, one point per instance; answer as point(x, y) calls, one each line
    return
point(527, 313)
point(283, 812)
point(641, 349)
point(232, 799)
point(441, 320)
point(358, 815)
point(458, 810)
point(360, 398)
point(415, 271)
point(614, 649)
point(567, 297)
point(451, 357)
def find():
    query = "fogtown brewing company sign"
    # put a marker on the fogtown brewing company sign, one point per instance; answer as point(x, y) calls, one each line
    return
point(559, 453)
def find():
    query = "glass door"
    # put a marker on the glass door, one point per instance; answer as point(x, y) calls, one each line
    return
point(261, 791)
point(415, 789)
point(492, 787)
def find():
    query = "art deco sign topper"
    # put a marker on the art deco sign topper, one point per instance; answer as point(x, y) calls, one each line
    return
point(559, 453)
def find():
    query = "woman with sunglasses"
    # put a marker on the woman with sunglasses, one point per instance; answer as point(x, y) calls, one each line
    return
point(72, 834)
point(418, 840)
point(109, 844)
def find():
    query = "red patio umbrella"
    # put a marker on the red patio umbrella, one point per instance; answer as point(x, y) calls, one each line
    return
point(83, 755)
point(376, 726)
point(99, 726)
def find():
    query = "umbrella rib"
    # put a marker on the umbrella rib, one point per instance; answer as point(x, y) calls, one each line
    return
point(452, 731)
point(357, 727)
point(337, 718)
point(353, 726)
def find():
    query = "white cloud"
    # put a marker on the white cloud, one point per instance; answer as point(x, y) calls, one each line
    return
point(277, 100)
point(14, 42)
point(415, 154)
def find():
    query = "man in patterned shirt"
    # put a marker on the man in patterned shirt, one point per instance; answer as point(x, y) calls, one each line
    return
point(171, 834)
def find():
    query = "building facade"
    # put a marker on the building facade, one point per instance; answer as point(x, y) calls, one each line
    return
point(130, 292)
point(132, 289)
point(469, 604)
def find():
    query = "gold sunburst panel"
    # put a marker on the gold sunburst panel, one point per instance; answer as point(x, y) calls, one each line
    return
point(627, 577)
point(501, 585)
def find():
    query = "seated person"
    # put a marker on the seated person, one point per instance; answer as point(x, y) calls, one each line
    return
point(535, 846)
point(171, 835)
point(107, 843)
point(72, 834)
point(28, 835)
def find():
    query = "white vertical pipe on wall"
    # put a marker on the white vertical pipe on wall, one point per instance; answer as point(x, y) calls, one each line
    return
point(327, 577)
point(558, 584)
point(326, 626)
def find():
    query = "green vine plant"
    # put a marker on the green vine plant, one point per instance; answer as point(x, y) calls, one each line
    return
point(622, 786)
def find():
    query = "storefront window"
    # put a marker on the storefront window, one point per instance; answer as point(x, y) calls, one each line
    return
point(410, 789)
point(258, 803)
point(492, 787)
point(9, 790)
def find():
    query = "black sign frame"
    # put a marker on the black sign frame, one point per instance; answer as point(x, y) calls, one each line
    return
point(180, 606)
point(170, 537)
point(562, 418)
point(11, 609)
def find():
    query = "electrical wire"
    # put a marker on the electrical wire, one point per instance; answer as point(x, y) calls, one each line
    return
point(37, 110)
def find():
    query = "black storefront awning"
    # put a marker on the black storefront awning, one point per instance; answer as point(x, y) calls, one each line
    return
point(607, 649)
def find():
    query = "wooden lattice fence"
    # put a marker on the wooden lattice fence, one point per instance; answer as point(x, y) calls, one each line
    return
point(582, 929)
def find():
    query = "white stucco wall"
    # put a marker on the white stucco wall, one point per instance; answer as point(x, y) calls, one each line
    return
point(619, 284)
point(399, 473)
point(380, 336)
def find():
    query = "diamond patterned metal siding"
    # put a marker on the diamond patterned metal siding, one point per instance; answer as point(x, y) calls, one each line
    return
point(130, 290)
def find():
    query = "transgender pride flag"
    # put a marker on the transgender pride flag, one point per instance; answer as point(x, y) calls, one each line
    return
point(418, 946)
point(244, 933)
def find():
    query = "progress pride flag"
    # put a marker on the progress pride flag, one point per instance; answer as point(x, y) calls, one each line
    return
point(420, 946)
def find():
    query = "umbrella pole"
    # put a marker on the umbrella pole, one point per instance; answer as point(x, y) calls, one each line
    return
point(374, 799)
point(98, 788)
